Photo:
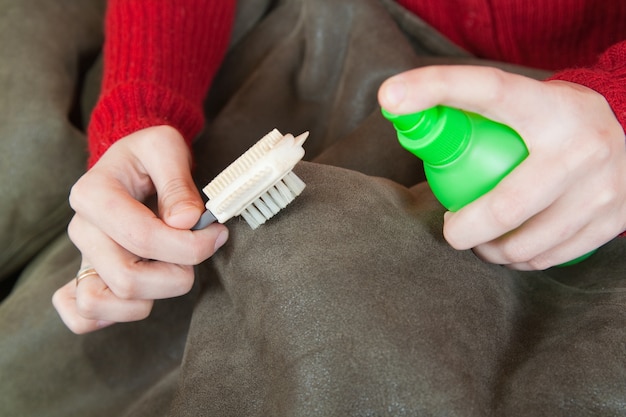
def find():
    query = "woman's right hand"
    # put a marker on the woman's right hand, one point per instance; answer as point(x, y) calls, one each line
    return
point(566, 198)
point(139, 255)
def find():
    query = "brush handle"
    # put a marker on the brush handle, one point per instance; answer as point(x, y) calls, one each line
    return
point(206, 219)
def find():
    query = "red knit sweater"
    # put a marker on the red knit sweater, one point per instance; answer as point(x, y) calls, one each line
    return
point(161, 55)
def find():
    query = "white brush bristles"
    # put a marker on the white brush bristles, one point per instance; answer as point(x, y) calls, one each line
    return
point(260, 182)
point(273, 201)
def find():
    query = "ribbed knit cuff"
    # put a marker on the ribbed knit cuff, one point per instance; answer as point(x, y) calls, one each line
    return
point(160, 57)
point(134, 106)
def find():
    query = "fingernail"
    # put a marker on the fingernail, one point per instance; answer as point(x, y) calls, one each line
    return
point(395, 92)
point(221, 239)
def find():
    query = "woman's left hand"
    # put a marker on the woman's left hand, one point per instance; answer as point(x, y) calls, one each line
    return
point(566, 198)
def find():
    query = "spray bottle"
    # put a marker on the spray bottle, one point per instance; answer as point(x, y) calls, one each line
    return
point(465, 155)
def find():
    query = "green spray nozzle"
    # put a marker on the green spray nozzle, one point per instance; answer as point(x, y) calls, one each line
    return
point(404, 122)
point(436, 135)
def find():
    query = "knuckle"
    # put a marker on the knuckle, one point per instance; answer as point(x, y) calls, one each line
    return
point(186, 280)
point(450, 235)
point(596, 148)
point(508, 212)
point(60, 301)
point(77, 327)
point(198, 253)
point(77, 194)
point(73, 230)
point(124, 286)
point(124, 289)
point(74, 198)
point(497, 91)
point(437, 81)
point(88, 305)
point(515, 252)
point(143, 311)
point(539, 263)
point(608, 196)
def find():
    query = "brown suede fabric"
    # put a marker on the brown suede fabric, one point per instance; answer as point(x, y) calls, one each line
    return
point(348, 302)
point(44, 45)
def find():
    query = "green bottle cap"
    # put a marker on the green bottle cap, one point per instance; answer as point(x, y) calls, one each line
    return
point(436, 135)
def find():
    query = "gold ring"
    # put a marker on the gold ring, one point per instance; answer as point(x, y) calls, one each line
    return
point(84, 273)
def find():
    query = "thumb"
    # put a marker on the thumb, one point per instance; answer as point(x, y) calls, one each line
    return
point(180, 204)
point(169, 166)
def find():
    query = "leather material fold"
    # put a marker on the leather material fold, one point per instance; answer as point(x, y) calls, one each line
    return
point(349, 302)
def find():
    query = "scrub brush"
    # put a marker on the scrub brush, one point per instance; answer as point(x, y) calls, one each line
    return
point(258, 184)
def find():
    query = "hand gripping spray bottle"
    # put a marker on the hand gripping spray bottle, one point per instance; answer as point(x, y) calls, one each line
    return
point(465, 155)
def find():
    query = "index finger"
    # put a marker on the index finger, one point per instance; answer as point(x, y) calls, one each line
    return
point(139, 230)
point(514, 200)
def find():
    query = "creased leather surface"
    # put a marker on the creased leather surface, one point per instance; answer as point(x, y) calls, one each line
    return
point(43, 46)
point(349, 302)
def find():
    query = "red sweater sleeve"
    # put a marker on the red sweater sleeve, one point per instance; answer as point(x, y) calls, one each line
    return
point(159, 59)
point(607, 77)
